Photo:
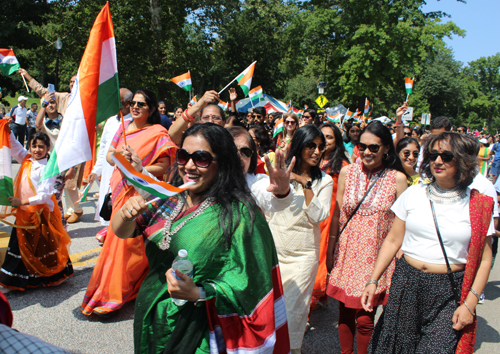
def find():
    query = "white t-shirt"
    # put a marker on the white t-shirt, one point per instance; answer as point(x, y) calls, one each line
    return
point(20, 113)
point(421, 241)
point(484, 186)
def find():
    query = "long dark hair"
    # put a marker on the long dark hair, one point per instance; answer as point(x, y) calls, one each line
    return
point(405, 142)
point(392, 160)
point(152, 101)
point(229, 188)
point(263, 138)
point(303, 136)
point(236, 131)
point(334, 164)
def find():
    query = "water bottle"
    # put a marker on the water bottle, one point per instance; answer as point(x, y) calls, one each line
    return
point(183, 264)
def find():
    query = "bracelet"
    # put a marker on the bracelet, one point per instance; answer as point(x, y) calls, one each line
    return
point(475, 293)
point(45, 104)
point(398, 124)
point(184, 116)
point(125, 220)
point(468, 308)
point(371, 281)
point(281, 196)
point(189, 118)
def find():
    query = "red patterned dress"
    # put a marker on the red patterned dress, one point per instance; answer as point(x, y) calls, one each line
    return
point(357, 248)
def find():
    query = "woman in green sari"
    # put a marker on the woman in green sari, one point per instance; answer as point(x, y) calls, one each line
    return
point(235, 297)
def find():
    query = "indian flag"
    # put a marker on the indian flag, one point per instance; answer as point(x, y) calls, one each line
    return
point(348, 114)
point(255, 93)
point(289, 104)
point(335, 118)
point(8, 62)
point(83, 195)
point(278, 127)
point(6, 189)
point(183, 81)
point(159, 189)
point(367, 106)
point(193, 101)
point(245, 78)
point(95, 97)
point(223, 105)
point(305, 107)
point(409, 85)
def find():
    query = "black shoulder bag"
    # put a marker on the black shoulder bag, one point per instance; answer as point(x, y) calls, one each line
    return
point(450, 273)
point(361, 202)
point(107, 207)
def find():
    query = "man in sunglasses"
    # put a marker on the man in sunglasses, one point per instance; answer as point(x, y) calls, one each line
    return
point(462, 130)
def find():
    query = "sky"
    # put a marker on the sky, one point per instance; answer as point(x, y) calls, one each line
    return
point(479, 19)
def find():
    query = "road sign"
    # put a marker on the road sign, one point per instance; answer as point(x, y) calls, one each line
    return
point(408, 115)
point(426, 119)
point(321, 101)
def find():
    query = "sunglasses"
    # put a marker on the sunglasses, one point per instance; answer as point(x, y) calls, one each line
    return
point(139, 104)
point(407, 134)
point(313, 146)
point(407, 153)
point(446, 156)
point(461, 131)
point(201, 158)
point(372, 147)
point(246, 152)
point(290, 122)
point(307, 117)
point(256, 116)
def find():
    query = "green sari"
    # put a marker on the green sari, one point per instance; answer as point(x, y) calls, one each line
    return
point(244, 305)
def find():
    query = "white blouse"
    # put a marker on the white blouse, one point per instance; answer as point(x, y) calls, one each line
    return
point(45, 188)
point(421, 241)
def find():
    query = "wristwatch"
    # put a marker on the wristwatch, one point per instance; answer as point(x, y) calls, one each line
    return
point(45, 104)
point(308, 185)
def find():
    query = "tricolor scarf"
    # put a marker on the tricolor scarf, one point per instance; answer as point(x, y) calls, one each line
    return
point(480, 210)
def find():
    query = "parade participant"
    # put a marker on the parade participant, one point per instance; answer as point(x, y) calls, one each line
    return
point(30, 122)
point(334, 159)
point(162, 108)
point(483, 157)
point(296, 230)
point(416, 134)
point(122, 264)
point(361, 221)
point(272, 193)
point(291, 122)
point(235, 297)
point(309, 117)
point(408, 150)
point(18, 114)
point(352, 139)
point(462, 129)
point(102, 169)
point(443, 230)
point(38, 246)
point(177, 112)
point(263, 142)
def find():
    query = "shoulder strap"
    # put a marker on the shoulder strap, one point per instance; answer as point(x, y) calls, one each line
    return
point(450, 273)
point(361, 202)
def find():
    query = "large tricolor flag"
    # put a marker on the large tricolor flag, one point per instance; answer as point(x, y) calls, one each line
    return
point(6, 189)
point(245, 78)
point(94, 98)
point(183, 81)
point(409, 85)
point(8, 62)
point(150, 185)
point(335, 118)
point(278, 127)
point(255, 93)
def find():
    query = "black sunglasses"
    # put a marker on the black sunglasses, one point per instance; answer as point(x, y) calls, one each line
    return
point(446, 156)
point(313, 146)
point(245, 152)
point(407, 134)
point(139, 104)
point(373, 147)
point(256, 116)
point(407, 153)
point(201, 158)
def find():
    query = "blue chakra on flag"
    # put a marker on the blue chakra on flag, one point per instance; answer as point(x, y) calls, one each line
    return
point(182, 84)
point(139, 180)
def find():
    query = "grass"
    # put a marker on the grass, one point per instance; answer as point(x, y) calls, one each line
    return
point(13, 101)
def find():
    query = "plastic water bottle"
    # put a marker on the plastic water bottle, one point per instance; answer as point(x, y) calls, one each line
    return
point(183, 264)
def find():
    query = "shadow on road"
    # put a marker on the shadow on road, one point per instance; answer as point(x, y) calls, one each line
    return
point(323, 336)
point(492, 290)
point(485, 333)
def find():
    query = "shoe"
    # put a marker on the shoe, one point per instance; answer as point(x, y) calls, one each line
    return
point(101, 235)
point(74, 217)
point(69, 212)
point(481, 298)
point(5, 290)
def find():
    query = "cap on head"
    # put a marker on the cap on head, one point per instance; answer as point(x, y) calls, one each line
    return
point(22, 98)
point(484, 141)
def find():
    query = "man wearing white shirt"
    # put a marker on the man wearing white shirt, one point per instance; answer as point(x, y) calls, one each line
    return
point(18, 114)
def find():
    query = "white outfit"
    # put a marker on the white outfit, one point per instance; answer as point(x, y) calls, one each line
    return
point(421, 241)
point(265, 200)
point(484, 186)
point(20, 113)
point(102, 167)
point(45, 188)
point(297, 235)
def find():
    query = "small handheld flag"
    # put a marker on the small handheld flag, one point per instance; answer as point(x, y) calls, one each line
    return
point(223, 105)
point(244, 79)
point(83, 195)
point(6, 186)
point(255, 93)
point(183, 81)
point(150, 185)
point(193, 100)
point(333, 119)
point(408, 86)
point(367, 106)
point(278, 127)
point(8, 62)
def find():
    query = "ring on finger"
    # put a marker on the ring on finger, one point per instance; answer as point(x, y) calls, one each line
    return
point(130, 211)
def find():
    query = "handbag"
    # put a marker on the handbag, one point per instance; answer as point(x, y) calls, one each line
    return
point(107, 207)
point(361, 202)
point(449, 272)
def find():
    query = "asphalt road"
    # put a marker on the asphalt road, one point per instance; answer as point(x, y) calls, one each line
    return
point(53, 314)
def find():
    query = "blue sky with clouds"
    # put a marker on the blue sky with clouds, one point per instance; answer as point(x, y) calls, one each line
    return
point(479, 18)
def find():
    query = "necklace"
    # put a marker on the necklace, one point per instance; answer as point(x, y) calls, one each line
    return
point(445, 196)
point(167, 228)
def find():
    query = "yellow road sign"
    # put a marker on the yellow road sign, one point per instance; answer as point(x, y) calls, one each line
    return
point(321, 101)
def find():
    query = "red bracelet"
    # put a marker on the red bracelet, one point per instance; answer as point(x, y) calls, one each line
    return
point(281, 196)
point(186, 119)
point(188, 116)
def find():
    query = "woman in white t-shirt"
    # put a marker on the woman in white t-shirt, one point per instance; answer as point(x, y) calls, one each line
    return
point(422, 313)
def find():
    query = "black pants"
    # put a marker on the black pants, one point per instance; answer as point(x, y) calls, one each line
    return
point(19, 132)
point(29, 132)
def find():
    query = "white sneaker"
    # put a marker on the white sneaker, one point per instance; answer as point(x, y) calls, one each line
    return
point(481, 298)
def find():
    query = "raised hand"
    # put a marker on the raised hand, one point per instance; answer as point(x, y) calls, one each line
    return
point(232, 94)
point(279, 175)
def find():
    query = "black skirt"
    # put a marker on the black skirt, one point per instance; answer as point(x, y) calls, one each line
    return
point(418, 314)
point(14, 274)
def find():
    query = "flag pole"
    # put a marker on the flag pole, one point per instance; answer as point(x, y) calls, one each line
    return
point(191, 88)
point(123, 128)
point(233, 80)
point(26, 85)
point(251, 101)
point(407, 95)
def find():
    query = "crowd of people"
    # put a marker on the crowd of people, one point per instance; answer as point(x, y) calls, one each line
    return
point(365, 213)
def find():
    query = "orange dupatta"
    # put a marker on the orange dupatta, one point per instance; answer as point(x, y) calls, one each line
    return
point(42, 239)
